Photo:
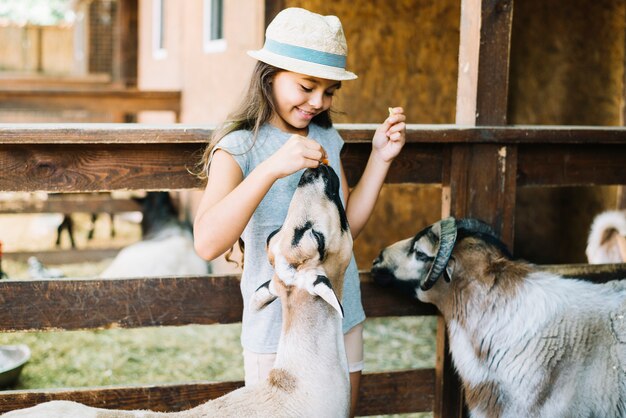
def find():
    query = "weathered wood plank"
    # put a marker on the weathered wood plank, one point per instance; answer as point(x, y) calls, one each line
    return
point(101, 133)
point(97, 100)
point(92, 168)
point(72, 304)
point(380, 393)
point(70, 203)
point(481, 182)
point(11, 133)
point(106, 167)
point(584, 165)
point(69, 256)
point(93, 304)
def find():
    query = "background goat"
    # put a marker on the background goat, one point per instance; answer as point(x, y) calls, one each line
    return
point(166, 248)
point(607, 238)
point(526, 343)
point(310, 376)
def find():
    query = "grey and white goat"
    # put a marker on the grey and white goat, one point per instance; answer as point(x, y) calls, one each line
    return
point(310, 375)
point(166, 247)
point(526, 343)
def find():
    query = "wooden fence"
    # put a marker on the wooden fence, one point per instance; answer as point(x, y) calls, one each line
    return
point(85, 158)
point(120, 102)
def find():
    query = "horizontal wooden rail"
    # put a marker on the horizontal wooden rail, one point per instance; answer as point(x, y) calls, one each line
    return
point(72, 304)
point(69, 203)
point(104, 157)
point(394, 392)
point(141, 302)
point(66, 256)
point(95, 100)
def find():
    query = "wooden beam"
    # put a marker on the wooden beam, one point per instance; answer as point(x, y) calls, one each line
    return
point(272, 7)
point(126, 43)
point(70, 256)
point(105, 157)
point(444, 134)
point(73, 304)
point(70, 203)
point(394, 392)
point(96, 100)
point(479, 181)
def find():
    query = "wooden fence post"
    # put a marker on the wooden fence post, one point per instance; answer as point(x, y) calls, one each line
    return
point(479, 180)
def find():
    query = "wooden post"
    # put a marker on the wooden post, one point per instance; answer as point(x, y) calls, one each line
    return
point(621, 190)
point(272, 8)
point(125, 44)
point(479, 180)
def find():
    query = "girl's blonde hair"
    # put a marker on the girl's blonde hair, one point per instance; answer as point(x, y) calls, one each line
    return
point(256, 109)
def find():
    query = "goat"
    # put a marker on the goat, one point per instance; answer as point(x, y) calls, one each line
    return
point(607, 238)
point(67, 223)
point(310, 375)
point(166, 248)
point(525, 342)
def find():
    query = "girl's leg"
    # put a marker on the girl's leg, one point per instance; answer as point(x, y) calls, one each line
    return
point(353, 340)
point(257, 366)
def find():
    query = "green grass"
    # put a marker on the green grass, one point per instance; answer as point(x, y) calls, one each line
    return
point(74, 359)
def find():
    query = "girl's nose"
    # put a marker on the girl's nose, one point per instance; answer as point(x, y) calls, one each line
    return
point(316, 100)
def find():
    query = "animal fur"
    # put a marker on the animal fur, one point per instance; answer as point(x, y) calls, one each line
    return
point(166, 248)
point(526, 343)
point(607, 238)
point(310, 377)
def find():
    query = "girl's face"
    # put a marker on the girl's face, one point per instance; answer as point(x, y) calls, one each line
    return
point(299, 98)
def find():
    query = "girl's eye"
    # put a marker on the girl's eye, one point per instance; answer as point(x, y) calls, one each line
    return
point(329, 93)
point(305, 89)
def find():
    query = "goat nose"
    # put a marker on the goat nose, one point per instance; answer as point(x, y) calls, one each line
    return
point(309, 176)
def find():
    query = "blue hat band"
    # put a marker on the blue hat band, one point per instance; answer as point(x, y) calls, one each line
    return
point(305, 54)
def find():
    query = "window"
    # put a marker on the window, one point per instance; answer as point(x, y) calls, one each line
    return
point(213, 26)
point(158, 29)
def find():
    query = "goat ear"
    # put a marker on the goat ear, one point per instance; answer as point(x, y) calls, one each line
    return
point(263, 296)
point(324, 289)
point(449, 271)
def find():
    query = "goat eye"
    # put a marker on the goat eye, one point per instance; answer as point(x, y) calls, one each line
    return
point(422, 256)
point(321, 243)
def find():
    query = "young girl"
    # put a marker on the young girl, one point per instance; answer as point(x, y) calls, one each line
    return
point(254, 162)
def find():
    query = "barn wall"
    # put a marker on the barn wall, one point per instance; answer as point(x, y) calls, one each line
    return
point(567, 68)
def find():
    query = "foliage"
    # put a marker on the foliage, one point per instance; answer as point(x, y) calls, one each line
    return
point(38, 12)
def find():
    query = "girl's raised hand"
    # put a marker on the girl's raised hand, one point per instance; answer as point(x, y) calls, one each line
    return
point(297, 153)
point(390, 135)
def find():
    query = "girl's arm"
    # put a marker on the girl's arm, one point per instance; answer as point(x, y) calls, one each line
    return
point(229, 200)
point(386, 145)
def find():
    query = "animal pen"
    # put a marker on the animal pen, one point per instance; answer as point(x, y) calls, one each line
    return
point(479, 163)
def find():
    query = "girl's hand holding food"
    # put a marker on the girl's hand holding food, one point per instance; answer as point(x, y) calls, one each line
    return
point(297, 153)
point(390, 135)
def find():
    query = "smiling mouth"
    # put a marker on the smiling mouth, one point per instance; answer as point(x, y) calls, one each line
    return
point(305, 113)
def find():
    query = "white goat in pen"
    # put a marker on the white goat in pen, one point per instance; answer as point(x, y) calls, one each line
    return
point(310, 375)
point(607, 238)
point(526, 343)
point(166, 248)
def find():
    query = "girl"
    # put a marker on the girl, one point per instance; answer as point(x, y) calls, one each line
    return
point(254, 162)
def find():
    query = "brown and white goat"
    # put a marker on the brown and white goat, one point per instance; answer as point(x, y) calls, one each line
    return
point(607, 238)
point(526, 343)
point(310, 375)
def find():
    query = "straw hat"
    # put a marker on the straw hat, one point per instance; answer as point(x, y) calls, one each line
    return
point(307, 43)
